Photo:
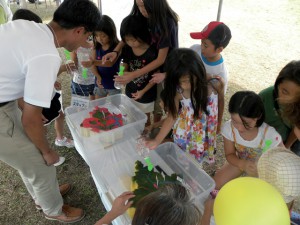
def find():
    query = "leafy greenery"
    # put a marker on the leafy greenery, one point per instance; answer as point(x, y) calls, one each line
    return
point(149, 181)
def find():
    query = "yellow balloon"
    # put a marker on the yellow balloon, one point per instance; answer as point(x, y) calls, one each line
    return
point(250, 201)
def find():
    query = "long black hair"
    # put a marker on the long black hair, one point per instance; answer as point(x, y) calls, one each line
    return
point(159, 11)
point(136, 27)
point(107, 26)
point(185, 62)
point(290, 72)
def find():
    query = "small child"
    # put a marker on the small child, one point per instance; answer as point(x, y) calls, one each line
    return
point(137, 54)
point(214, 39)
point(191, 104)
point(162, 23)
point(105, 40)
point(83, 82)
point(245, 136)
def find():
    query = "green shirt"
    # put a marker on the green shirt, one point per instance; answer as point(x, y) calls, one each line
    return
point(272, 117)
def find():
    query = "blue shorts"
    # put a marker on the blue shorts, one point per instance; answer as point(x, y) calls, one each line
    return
point(82, 90)
point(102, 92)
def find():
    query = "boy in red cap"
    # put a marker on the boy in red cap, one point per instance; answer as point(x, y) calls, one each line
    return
point(214, 38)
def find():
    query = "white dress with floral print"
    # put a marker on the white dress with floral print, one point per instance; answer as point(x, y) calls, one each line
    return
point(198, 136)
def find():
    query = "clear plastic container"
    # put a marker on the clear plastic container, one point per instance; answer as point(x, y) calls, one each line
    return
point(112, 171)
point(133, 122)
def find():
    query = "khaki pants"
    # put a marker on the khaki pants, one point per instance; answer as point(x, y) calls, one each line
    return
point(20, 153)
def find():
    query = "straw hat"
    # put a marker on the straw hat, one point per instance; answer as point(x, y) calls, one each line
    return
point(281, 168)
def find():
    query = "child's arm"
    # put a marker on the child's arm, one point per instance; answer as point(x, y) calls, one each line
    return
point(165, 129)
point(94, 69)
point(119, 207)
point(74, 58)
point(98, 62)
point(244, 165)
point(97, 76)
point(152, 126)
point(139, 94)
point(162, 55)
point(112, 56)
point(68, 67)
point(218, 85)
point(157, 78)
point(290, 140)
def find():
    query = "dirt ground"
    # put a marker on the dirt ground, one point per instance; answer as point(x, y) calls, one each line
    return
point(265, 37)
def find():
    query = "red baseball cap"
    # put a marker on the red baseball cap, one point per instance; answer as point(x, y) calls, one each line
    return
point(204, 34)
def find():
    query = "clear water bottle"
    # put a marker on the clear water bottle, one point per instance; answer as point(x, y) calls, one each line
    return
point(74, 71)
point(85, 57)
point(120, 73)
point(144, 151)
point(141, 148)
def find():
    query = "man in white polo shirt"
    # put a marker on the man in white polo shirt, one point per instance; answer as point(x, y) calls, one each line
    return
point(29, 66)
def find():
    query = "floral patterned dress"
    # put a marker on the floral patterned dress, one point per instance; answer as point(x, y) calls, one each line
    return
point(249, 153)
point(198, 136)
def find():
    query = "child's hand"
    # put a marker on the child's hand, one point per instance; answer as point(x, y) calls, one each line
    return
point(251, 168)
point(122, 203)
point(111, 56)
point(87, 64)
point(125, 79)
point(57, 85)
point(99, 83)
point(152, 144)
point(70, 66)
point(137, 95)
point(147, 130)
point(158, 78)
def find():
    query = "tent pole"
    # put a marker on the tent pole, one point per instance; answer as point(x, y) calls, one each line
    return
point(219, 10)
point(100, 6)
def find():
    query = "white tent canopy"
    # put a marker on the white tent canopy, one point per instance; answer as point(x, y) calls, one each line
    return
point(218, 15)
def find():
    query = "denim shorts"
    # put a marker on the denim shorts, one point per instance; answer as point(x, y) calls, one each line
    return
point(102, 92)
point(82, 90)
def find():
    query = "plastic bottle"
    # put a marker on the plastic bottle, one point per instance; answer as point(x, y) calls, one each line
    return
point(144, 151)
point(120, 73)
point(74, 72)
point(85, 57)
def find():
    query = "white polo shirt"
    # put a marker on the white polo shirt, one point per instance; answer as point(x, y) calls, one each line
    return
point(29, 62)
